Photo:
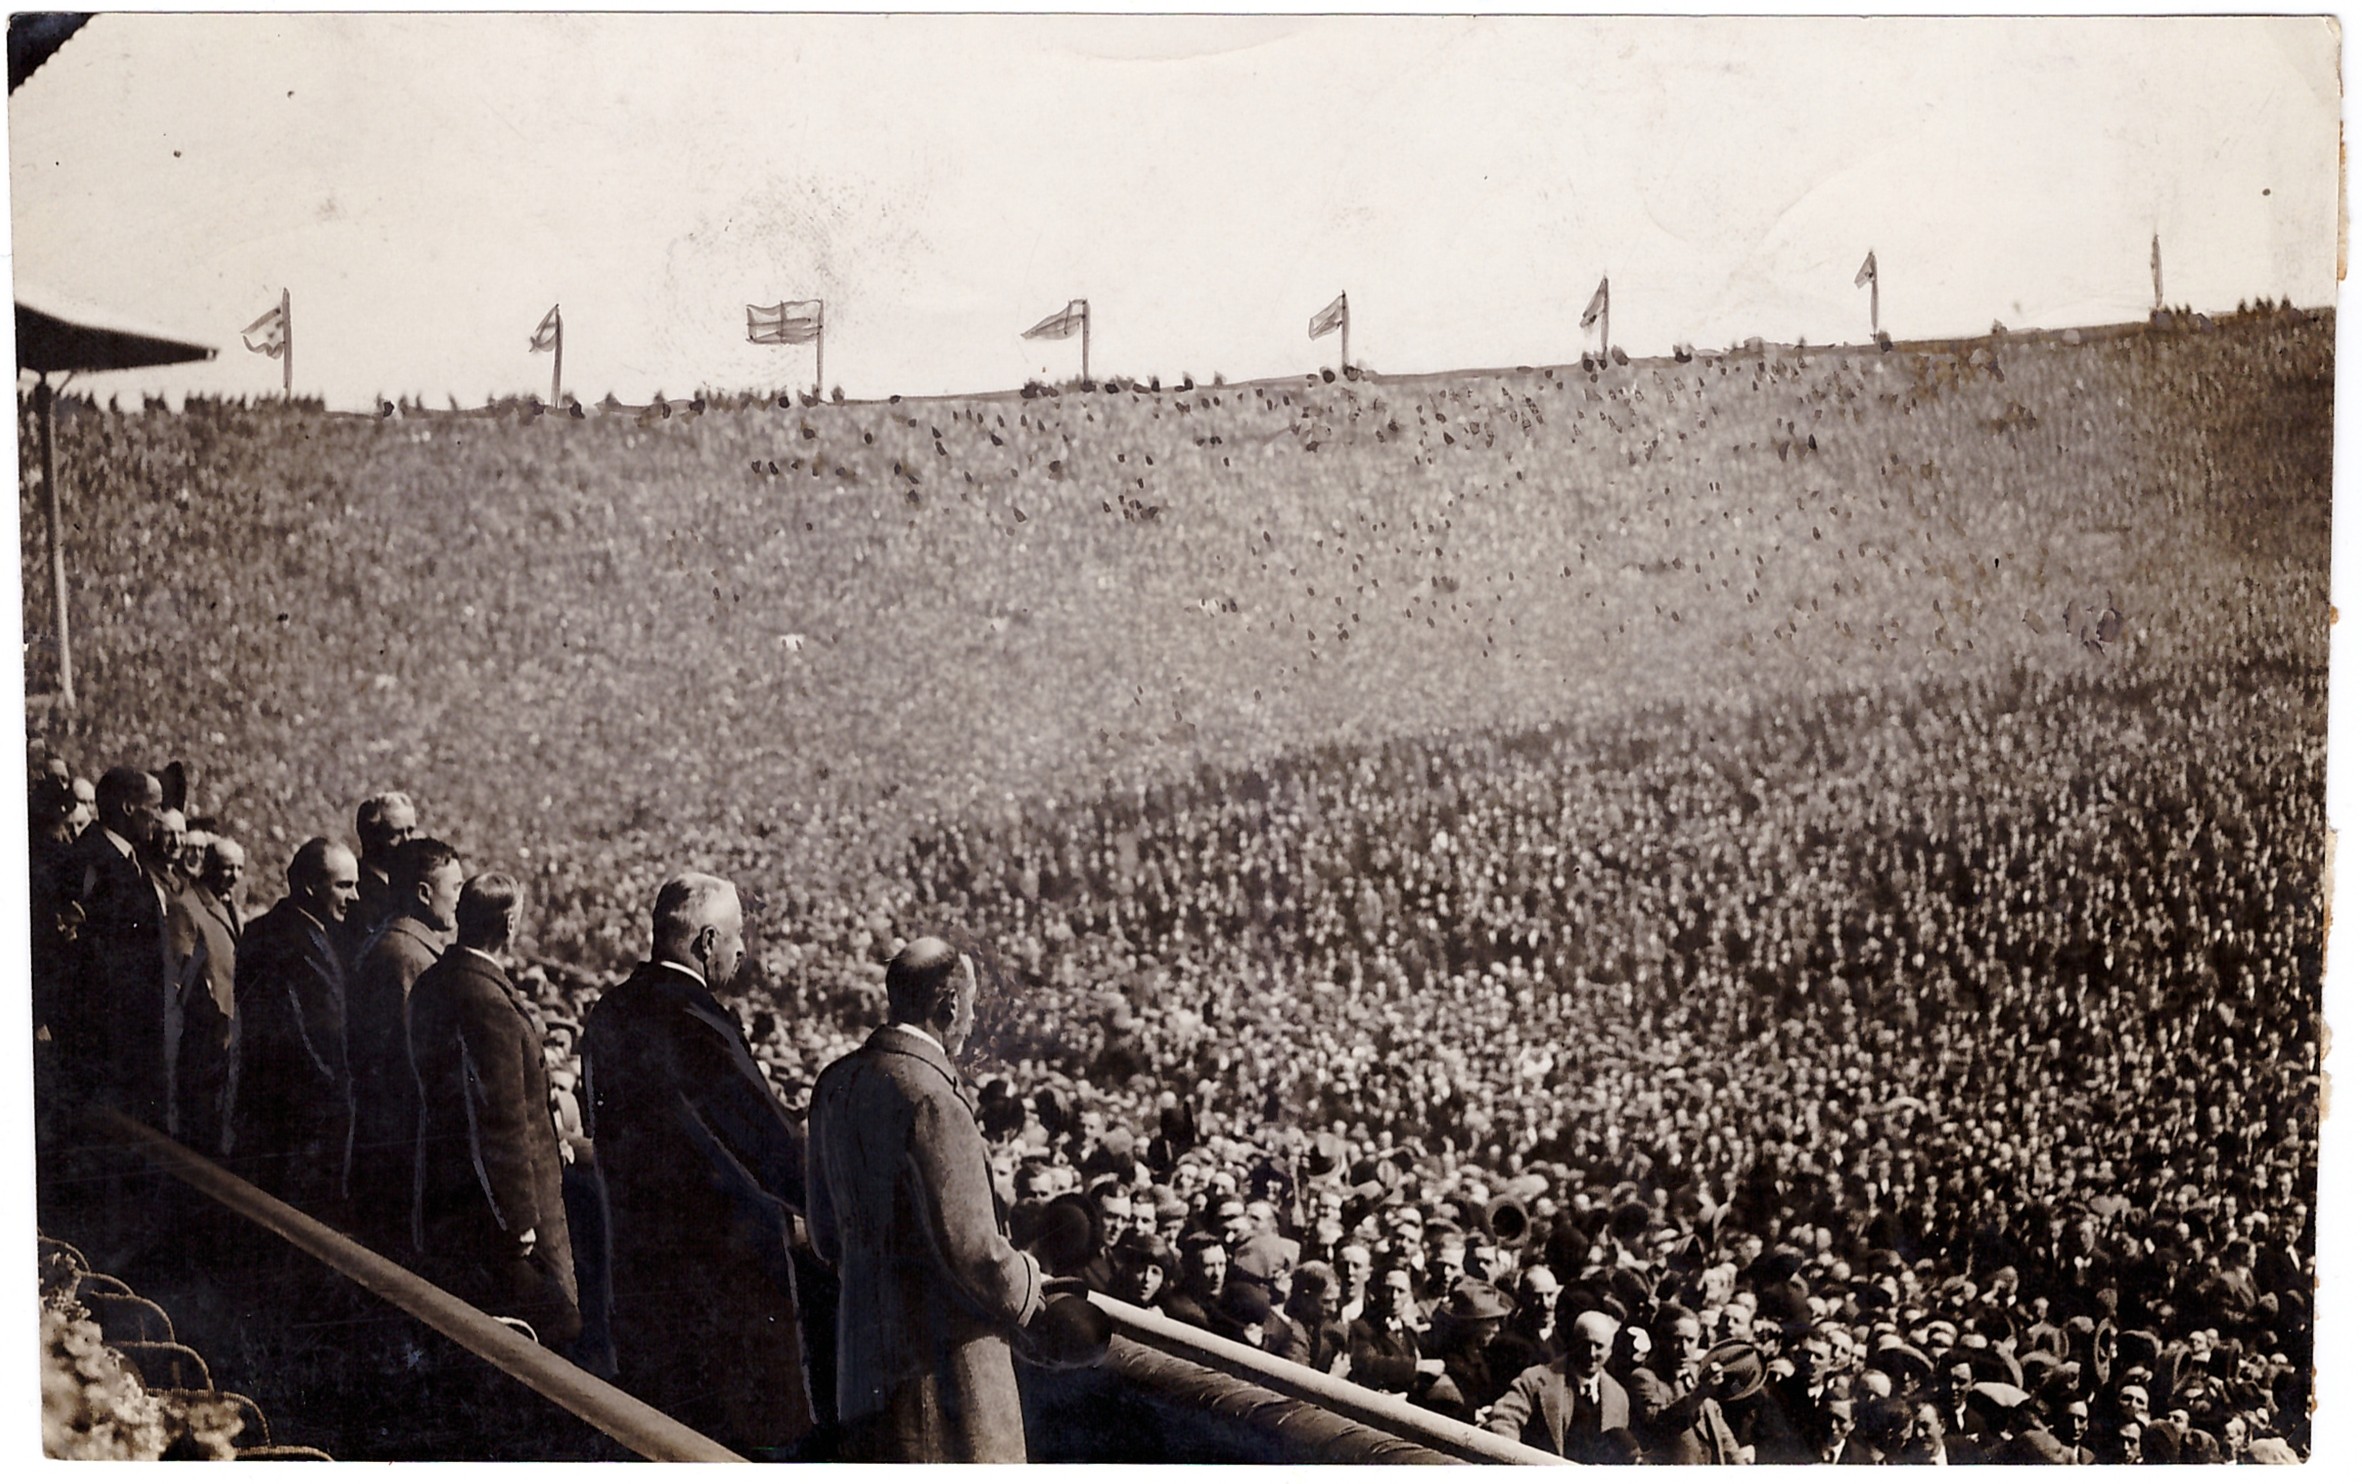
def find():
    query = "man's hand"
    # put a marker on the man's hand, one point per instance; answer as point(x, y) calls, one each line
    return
point(1433, 1367)
point(525, 1242)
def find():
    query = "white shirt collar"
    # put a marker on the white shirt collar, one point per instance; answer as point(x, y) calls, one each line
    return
point(674, 963)
point(122, 846)
point(923, 1032)
point(480, 953)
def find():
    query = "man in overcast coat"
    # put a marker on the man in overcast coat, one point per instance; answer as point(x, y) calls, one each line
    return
point(704, 1177)
point(902, 1208)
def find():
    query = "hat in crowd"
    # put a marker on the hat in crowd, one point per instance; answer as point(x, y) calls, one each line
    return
point(1629, 1222)
point(1070, 1333)
point(1901, 1359)
point(1474, 1299)
point(1743, 1369)
point(1326, 1156)
point(1266, 1256)
point(1987, 1363)
point(1244, 1303)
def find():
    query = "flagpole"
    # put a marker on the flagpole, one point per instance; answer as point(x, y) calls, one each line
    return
point(45, 406)
point(1344, 333)
point(557, 365)
point(2156, 272)
point(1086, 340)
point(1606, 300)
point(820, 349)
point(286, 345)
point(1873, 302)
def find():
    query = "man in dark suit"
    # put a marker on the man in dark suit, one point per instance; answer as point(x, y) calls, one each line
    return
point(111, 1034)
point(491, 1214)
point(206, 925)
point(381, 824)
point(704, 1176)
point(426, 876)
point(290, 1089)
point(1571, 1406)
point(902, 1208)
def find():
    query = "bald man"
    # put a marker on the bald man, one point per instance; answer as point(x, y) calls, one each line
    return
point(290, 1099)
point(704, 1177)
point(902, 1208)
point(1571, 1406)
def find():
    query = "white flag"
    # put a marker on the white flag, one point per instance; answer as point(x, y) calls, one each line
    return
point(545, 334)
point(1598, 305)
point(272, 330)
point(1869, 271)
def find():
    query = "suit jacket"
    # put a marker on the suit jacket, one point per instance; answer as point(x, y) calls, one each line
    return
point(902, 1209)
point(1383, 1359)
point(1676, 1425)
point(113, 1024)
point(290, 1091)
point(204, 931)
point(487, 1164)
point(385, 1088)
point(1543, 1409)
point(704, 1176)
point(373, 907)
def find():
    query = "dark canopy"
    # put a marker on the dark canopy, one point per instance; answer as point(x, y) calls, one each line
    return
point(35, 36)
point(47, 343)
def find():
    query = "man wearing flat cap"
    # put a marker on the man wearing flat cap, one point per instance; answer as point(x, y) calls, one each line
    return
point(902, 1208)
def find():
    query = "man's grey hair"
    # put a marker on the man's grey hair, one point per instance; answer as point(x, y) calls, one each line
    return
point(687, 902)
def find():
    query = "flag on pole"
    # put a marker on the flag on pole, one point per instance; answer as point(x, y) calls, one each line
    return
point(1869, 271)
point(1063, 325)
point(272, 330)
point(1598, 305)
point(1329, 320)
point(792, 322)
point(545, 334)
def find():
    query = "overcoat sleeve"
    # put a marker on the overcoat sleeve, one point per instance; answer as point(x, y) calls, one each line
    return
point(952, 1189)
point(502, 1121)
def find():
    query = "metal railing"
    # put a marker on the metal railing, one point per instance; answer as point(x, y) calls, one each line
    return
point(1314, 1413)
point(1384, 1416)
point(620, 1415)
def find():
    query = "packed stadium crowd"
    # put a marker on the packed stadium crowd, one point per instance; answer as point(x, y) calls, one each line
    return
point(1876, 1023)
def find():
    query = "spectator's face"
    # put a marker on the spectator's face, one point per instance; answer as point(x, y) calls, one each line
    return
point(1115, 1209)
point(1397, 1292)
point(398, 823)
point(171, 834)
point(1354, 1264)
point(1213, 1267)
point(1588, 1348)
point(725, 949)
point(1687, 1342)
point(1143, 1282)
point(1144, 1218)
point(225, 868)
point(1234, 1222)
point(139, 816)
point(339, 886)
point(439, 895)
point(86, 805)
point(1039, 1184)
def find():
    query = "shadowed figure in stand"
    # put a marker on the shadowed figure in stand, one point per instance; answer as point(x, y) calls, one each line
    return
point(903, 1210)
point(704, 1177)
point(491, 1214)
point(426, 883)
point(290, 1087)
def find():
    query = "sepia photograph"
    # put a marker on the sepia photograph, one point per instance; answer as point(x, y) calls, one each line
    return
point(1210, 739)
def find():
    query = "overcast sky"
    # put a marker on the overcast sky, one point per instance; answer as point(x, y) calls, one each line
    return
point(427, 185)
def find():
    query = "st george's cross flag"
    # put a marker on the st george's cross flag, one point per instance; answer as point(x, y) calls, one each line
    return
point(545, 334)
point(1064, 324)
point(1868, 272)
point(793, 322)
point(1598, 305)
point(267, 336)
point(1329, 320)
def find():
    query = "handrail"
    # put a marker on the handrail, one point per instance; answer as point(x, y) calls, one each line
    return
point(618, 1414)
point(1376, 1409)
